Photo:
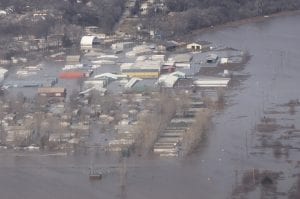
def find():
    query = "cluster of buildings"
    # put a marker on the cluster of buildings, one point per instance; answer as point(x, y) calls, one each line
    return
point(111, 88)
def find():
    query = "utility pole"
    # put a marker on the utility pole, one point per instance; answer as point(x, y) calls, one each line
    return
point(123, 176)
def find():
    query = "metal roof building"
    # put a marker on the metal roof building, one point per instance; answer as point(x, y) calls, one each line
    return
point(142, 69)
point(52, 92)
point(89, 41)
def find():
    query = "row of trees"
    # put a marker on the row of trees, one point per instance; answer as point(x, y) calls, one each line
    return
point(102, 13)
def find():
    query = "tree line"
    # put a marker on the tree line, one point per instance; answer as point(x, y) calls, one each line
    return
point(102, 13)
point(187, 15)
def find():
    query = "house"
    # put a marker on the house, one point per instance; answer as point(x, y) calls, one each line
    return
point(52, 92)
point(54, 41)
point(197, 46)
point(60, 137)
point(212, 58)
point(168, 46)
point(3, 74)
point(144, 8)
point(73, 59)
point(17, 135)
point(142, 69)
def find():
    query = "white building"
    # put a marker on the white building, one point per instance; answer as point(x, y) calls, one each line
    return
point(144, 8)
point(3, 73)
point(88, 42)
point(198, 45)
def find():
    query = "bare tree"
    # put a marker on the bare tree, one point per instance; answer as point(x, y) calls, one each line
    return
point(195, 133)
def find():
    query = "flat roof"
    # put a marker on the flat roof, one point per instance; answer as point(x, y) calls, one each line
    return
point(87, 40)
point(140, 65)
point(51, 90)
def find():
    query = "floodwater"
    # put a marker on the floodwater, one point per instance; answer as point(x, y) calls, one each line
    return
point(229, 150)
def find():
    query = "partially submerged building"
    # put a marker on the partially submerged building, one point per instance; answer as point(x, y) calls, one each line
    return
point(73, 59)
point(17, 135)
point(198, 46)
point(3, 74)
point(142, 69)
point(121, 46)
point(212, 82)
point(171, 79)
point(182, 60)
point(98, 83)
point(52, 92)
point(212, 58)
point(88, 42)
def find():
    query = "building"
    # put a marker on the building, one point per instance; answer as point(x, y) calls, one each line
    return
point(171, 79)
point(3, 74)
point(197, 46)
point(212, 82)
point(52, 92)
point(144, 8)
point(212, 58)
point(88, 42)
point(73, 59)
point(167, 81)
point(60, 137)
point(168, 46)
point(17, 135)
point(95, 83)
point(119, 47)
point(182, 60)
point(142, 69)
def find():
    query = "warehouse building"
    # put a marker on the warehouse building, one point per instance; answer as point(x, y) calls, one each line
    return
point(52, 92)
point(142, 69)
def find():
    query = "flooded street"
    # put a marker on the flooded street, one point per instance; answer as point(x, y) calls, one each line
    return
point(232, 147)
